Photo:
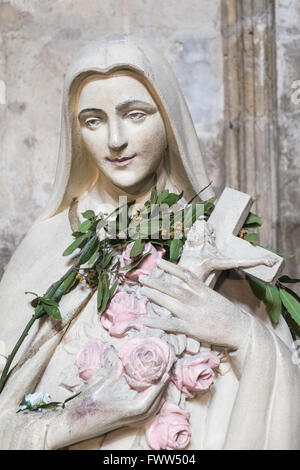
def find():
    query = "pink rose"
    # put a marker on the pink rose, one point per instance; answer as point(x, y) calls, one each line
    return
point(90, 358)
point(122, 313)
point(146, 266)
point(196, 375)
point(145, 362)
point(170, 430)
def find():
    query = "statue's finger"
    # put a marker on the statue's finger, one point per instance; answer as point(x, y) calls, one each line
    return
point(173, 269)
point(171, 325)
point(179, 292)
point(154, 400)
point(270, 260)
point(111, 371)
point(164, 300)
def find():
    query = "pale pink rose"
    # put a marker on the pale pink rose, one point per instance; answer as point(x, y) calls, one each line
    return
point(145, 362)
point(146, 266)
point(170, 430)
point(90, 358)
point(194, 376)
point(123, 312)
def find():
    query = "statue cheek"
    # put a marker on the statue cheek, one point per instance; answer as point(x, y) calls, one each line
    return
point(95, 142)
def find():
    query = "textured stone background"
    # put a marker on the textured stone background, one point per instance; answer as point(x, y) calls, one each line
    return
point(288, 72)
point(39, 38)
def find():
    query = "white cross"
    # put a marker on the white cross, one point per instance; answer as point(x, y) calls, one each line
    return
point(227, 219)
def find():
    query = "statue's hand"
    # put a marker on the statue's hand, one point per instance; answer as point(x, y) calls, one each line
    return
point(198, 311)
point(105, 404)
point(22, 431)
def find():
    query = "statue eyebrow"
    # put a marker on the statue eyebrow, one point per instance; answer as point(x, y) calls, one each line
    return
point(150, 108)
point(90, 110)
point(121, 107)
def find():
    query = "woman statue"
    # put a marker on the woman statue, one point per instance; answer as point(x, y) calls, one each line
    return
point(126, 127)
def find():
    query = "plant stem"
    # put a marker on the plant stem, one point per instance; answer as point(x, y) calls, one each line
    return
point(10, 358)
point(39, 312)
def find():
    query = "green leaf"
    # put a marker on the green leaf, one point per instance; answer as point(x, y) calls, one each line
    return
point(285, 255)
point(291, 304)
point(113, 288)
point(162, 196)
point(88, 214)
point(93, 258)
point(287, 280)
point(258, 287)
point(269, 295)
point(52, 311)
point(273, 302)
point(89, 249)
point(85, 226)
point(295, 329)
point(209, 203)
point(137, 248)
point(47, 301)
point(251, 237)
point(76, 243)
point(107, 259)
point(176, 249)
point(293, 294)
point(69, 282)
point(100, 291)
point(153, 197)
point(156, 242)
point(65, 286)
point(172, 198)
point(106, 294)
point(253, 219)
point(135, 263)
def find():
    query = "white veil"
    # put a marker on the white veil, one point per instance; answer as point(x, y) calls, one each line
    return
point(185, 166)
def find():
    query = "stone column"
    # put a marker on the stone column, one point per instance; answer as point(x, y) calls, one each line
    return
point(250, 135)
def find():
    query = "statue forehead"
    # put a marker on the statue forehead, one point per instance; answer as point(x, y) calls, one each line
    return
point(117, 87)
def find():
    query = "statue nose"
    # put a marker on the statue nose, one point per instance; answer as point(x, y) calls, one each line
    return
point(117, 140)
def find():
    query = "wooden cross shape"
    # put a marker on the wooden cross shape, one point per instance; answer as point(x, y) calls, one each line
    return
point(227, 219)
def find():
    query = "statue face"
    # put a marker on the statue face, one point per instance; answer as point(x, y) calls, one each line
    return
point(122, 129)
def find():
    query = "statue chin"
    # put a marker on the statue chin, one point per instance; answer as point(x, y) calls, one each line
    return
point(136, 187)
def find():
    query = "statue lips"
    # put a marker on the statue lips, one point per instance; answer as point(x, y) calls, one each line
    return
point(121, 161)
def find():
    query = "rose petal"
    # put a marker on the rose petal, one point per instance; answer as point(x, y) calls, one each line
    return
point(144, 361)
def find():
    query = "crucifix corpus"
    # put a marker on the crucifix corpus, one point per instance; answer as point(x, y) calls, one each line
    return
point(221, 243)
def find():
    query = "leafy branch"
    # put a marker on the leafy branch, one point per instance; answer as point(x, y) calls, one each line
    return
point(98, 265)
point(278, 299)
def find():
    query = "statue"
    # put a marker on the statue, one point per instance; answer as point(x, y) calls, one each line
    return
point(126, 127)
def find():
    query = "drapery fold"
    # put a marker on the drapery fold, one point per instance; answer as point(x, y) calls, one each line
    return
point(263, 416)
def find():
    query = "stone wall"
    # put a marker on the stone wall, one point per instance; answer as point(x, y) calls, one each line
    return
point(288, 86)
point(38, 41)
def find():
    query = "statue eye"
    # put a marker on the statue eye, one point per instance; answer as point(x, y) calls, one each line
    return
point(136, 115)
point(93, 123)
